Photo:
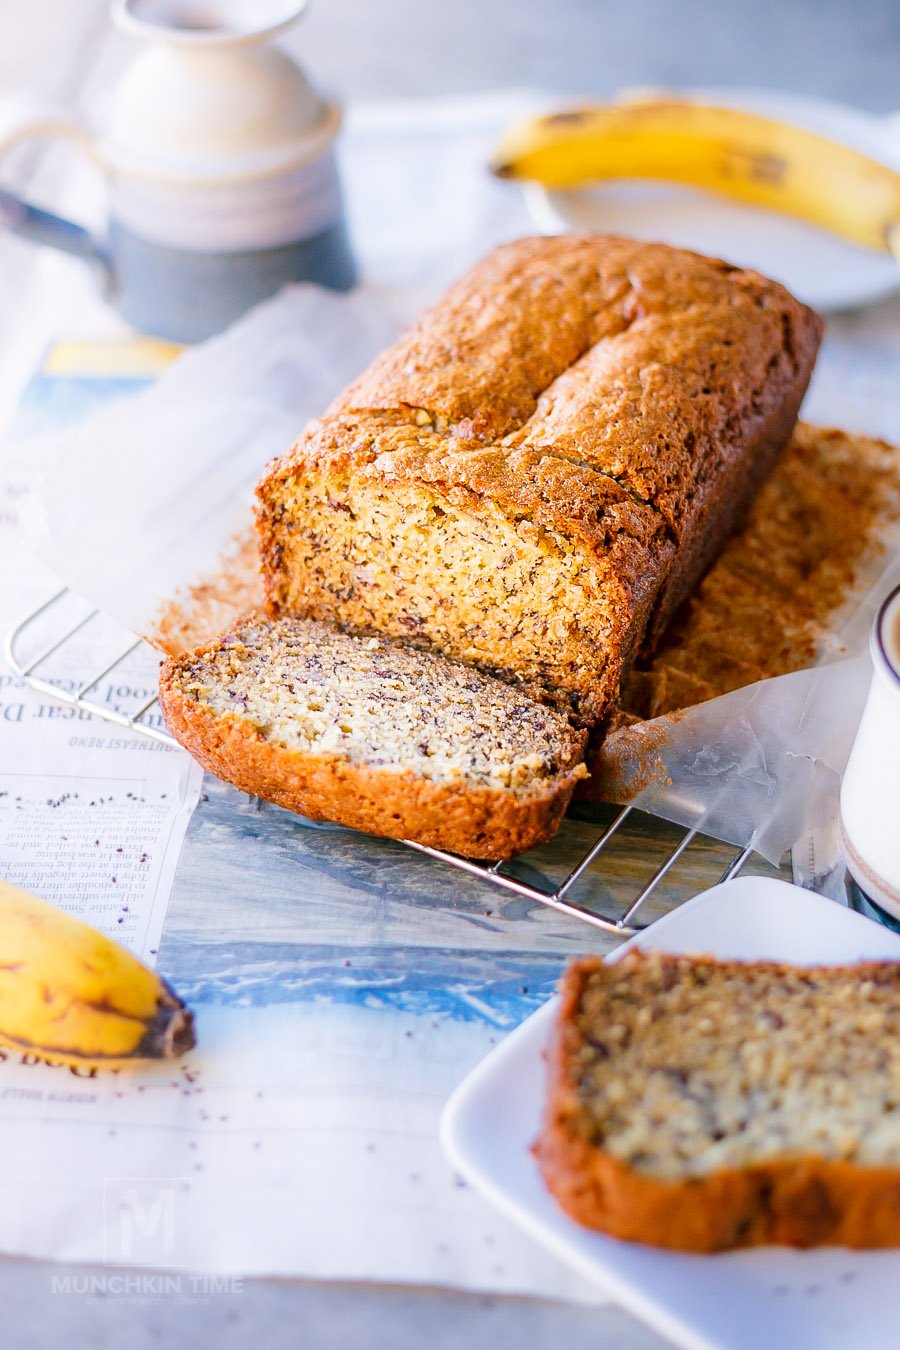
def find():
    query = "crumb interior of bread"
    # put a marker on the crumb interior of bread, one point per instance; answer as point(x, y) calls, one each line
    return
point(408, 562)
point(310, 688)
point(685, 1067)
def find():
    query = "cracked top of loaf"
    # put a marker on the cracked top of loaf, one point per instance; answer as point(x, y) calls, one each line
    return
point(636, 361)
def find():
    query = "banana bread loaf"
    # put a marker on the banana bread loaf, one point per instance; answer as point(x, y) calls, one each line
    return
point(372, 734)
point(702, 1105)
point(538, 472)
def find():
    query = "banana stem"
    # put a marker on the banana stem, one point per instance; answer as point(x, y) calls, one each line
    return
point(171, 1033)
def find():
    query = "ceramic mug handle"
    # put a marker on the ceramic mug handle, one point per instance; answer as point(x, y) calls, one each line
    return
point(23, 118)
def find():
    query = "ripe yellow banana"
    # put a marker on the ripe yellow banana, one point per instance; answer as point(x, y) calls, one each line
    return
point(69, 992)
point(739, 154)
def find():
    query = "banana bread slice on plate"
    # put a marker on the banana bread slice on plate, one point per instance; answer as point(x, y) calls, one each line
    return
point(375, 735)
point(701, 1104)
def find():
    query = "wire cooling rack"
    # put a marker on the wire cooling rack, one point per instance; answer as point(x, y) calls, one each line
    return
point(59, 634)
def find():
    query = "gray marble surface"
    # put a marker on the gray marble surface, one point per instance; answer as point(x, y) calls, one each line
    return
point(425, 47)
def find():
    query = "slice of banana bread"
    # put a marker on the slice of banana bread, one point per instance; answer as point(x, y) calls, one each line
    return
point(703, 1105)
point(374, 735)
point(535, 476)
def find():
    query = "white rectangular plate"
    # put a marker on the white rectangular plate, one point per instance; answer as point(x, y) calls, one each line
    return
point(767, 1297)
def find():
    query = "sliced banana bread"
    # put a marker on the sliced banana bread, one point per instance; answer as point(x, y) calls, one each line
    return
point(534, 477)
point(375, 735)
point(703, 1105)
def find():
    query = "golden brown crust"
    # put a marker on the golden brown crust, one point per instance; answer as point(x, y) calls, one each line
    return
point(799, 1202)
point(719, 507)
point(646, 362)
point(627, 397)
point(476, 822)
point(803, 1202)
point(500, 336)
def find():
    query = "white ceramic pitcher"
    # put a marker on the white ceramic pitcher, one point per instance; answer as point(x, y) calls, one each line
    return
point(219, 157)
point(870, 792)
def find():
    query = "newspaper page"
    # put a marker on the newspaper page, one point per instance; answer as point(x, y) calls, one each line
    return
point(92, 817)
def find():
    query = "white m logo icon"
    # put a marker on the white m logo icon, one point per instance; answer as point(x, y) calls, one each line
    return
point(153, 1217)
point(141, 1221)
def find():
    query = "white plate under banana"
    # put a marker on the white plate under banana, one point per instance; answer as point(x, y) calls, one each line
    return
point(737, 153)
point(692, 169)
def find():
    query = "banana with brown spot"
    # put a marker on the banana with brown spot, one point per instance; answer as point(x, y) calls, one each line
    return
point(68, 991)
